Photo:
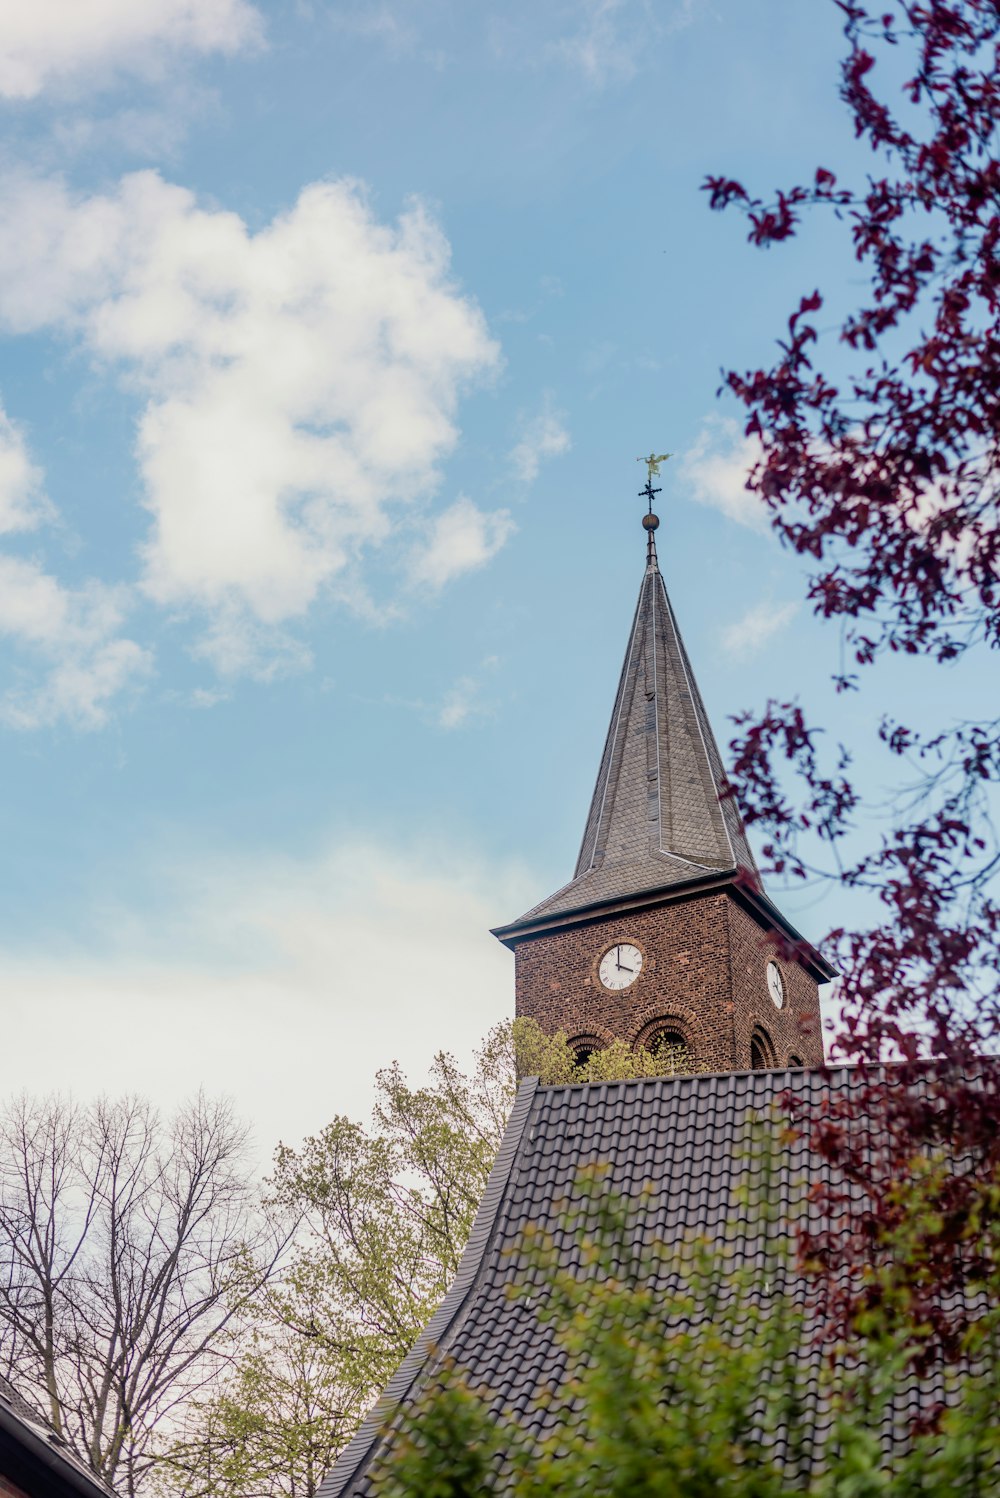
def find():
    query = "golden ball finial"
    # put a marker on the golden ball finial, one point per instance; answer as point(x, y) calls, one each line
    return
point(650, 521)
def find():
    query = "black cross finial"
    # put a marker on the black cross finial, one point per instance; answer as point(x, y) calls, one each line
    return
point(649, 520)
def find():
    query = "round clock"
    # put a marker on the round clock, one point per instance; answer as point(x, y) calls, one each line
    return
point(620, 966)
point(775, 985)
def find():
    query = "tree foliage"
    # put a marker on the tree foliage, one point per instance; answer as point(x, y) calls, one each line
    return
point(553, 1060)
point(386, 1212)
point(879, 446)
point(273, 1428)
point(382, 1216)
point(700, 1390)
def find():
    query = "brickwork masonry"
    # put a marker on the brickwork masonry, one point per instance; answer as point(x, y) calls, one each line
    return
point(703, 974)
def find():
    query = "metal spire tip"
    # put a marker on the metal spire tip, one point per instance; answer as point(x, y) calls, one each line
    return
point(650, 521)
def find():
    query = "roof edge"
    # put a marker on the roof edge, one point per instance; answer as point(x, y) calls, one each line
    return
point(47, 1455)
point(531, 925)
point(734, 881)
point(358, 1453)
point(762, 906)
point(831, 1070)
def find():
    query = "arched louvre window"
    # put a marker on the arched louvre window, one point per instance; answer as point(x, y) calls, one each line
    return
point(761, 1050)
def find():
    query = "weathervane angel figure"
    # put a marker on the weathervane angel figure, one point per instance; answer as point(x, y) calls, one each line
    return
point(653, 464)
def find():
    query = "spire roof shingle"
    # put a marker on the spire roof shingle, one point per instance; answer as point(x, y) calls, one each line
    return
point(659, 816)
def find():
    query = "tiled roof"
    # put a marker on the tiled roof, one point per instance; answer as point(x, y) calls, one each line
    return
point(18, 1405)
point(43, 1458)
point(658, 817)
point(683, 1137)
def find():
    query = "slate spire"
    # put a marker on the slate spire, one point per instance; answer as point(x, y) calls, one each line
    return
point(659, 816)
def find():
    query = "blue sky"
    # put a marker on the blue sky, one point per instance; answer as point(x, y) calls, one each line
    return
point(331, 333)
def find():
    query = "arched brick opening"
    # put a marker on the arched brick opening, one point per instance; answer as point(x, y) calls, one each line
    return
point(762, 1056)
point(584, 1046)
point(668, 1039)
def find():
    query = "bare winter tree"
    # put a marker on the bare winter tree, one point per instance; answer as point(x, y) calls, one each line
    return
point(128, 1249)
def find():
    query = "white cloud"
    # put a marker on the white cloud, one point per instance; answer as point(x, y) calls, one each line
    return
point(297, 382)
point(611, 38)
point(459, 703)
point(71, 657)
point(236, 644)
point(403, 27)
point(459, 539)
point(715, 469)
point(758, 625)
point(206, 697)
point(282, 982)
point(45, 42)
point(23, 505)
point(79, 660)
point(605, 46)
point(544, 436)
point(153, 131)
point(464, 701)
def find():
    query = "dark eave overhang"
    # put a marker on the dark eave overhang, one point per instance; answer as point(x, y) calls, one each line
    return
point(34, 1464)
point(754, 901)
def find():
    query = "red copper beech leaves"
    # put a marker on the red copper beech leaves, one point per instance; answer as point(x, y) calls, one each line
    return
point(886, 479)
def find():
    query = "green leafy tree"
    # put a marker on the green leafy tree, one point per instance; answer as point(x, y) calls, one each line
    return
point(454, 1449)
point(382, 1216)
point(386, 1212)
point(275, 1426)
point(552, 1059)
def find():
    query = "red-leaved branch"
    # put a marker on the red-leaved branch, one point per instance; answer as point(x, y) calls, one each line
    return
point(887, 480)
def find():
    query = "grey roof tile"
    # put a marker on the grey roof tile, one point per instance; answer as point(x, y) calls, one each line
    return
point(680, 1135)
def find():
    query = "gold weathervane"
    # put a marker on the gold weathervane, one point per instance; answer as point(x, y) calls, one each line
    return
point(650, 522)
point(653, 464)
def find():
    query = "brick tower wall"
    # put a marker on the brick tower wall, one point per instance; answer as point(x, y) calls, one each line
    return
point(704, 961)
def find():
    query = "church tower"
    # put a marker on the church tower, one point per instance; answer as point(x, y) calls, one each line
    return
point(664, 936)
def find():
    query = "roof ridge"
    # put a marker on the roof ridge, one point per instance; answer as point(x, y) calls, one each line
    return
point(681, 1078)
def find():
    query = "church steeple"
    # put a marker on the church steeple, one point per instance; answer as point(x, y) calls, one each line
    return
point(660, 802)
point(660, 814)
point(665, 874)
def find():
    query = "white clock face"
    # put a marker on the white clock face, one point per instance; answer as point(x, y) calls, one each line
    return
point(775, 985)
point(620, 966)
